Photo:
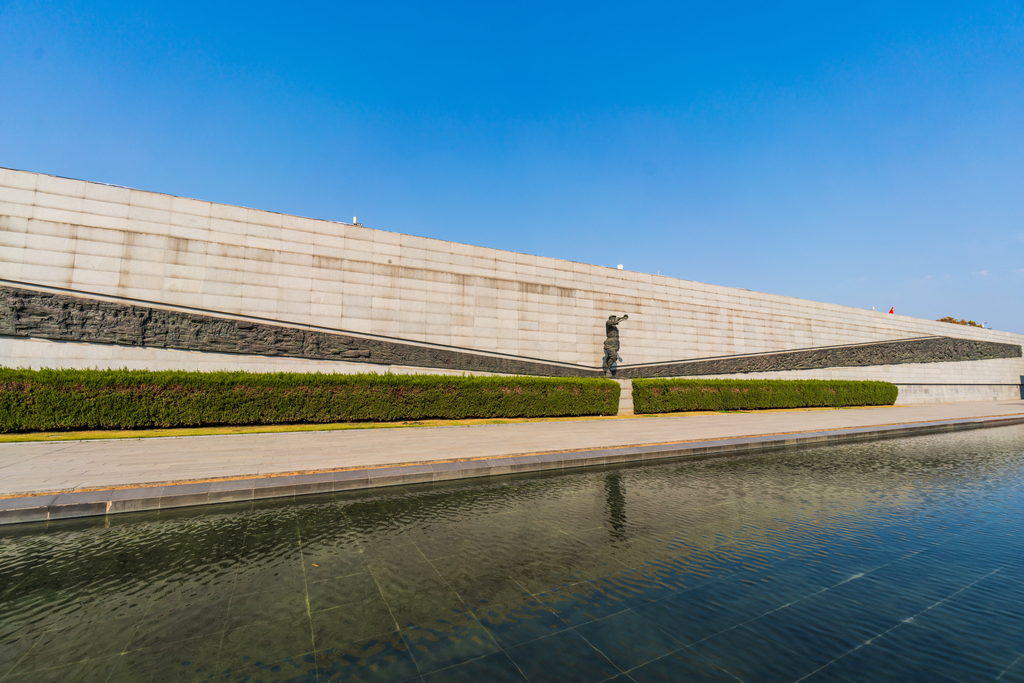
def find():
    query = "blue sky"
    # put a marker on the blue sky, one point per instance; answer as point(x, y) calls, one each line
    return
point(861, 154)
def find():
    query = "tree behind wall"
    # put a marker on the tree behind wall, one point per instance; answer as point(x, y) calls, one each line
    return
point(951, 319)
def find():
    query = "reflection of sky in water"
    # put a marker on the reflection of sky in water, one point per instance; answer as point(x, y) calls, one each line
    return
point(767, 568)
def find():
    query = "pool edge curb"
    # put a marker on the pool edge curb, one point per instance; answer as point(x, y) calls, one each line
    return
point(60, 506)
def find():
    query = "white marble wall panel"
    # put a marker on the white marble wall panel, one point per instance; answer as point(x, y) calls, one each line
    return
point(98, 239)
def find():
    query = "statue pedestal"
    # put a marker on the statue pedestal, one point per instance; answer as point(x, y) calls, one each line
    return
point(626, 397)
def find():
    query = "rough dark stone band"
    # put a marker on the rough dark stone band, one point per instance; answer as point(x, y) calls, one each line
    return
point(928, 350)
point(63, 317)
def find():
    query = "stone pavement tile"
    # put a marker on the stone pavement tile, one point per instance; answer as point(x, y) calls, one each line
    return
point(274, 487)
point(496, 466)
point(28, 509)
point(525, 463)
point(416, 474)
point(351, 479)
point(180, 495)
point(79, 504)
point(26, 502)
point(452, 470)
point(552, 458)
point(134, 499)
point(315, 478)
point(231, 491)
point(384, 476)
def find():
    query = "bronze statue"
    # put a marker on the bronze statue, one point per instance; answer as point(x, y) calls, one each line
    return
point(611, 343)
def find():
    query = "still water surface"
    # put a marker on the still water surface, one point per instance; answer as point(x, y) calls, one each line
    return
point(897, 560)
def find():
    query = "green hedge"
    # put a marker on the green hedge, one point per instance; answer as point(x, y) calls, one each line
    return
point(45, 400)
point(678, 395)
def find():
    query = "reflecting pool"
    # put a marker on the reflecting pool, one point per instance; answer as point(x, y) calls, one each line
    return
point(896, 560)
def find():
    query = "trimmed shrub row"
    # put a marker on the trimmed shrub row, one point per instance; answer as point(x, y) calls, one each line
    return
point(678, 395)
point(49, 400)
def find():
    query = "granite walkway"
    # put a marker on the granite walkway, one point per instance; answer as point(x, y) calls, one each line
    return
point(50, 480)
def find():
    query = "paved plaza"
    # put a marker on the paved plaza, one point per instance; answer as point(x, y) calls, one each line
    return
point(36, 468)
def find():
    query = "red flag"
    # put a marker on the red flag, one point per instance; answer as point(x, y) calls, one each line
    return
point(893, 310)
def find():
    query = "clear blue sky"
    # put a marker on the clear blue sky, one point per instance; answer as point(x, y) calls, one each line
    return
point(861, 154)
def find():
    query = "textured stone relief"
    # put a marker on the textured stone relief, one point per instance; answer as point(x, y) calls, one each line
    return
point(63, 317)
point(28, 313)
point(928, 350)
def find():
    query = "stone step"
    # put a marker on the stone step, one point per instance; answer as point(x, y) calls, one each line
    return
point(626, 397)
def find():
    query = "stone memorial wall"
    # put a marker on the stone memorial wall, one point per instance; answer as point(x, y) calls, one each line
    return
point(93, 275)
